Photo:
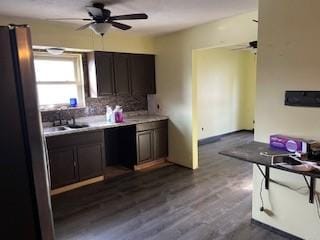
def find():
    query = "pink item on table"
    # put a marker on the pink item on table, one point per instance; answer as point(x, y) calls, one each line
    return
point(119, 117)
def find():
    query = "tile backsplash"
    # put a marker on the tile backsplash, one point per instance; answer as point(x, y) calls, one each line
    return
point(97, 106)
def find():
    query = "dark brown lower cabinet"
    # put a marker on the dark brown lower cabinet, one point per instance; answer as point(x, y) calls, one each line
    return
point(63, 166)
point(152, 141)
point(90, 160)
point(75, 157)
point(145, 146)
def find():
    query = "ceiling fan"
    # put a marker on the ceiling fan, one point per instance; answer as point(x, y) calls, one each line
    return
point(100, 19)
point(252, 45)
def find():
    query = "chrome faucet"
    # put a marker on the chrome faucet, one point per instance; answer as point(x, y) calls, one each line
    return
point(73, 120)
point(60, 120)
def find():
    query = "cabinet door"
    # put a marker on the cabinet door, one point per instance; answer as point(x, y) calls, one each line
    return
point(142, 69)
point(160, 143)
point(121, 74)
point(104, 73)
point(63, 167)
point(90, 160)
point(144, 146)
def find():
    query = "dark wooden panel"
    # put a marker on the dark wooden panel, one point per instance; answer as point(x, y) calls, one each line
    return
point(160, 143)
point(121, 74)
point(63, 167)
point(90, 160)
point(33, 130)
point(101, 74)
point(144, 146)
point(142, 69)
point(75, 139)
point(152, 125)
point(18, 205)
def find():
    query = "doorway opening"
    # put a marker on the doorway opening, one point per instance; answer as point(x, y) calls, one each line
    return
point(226, 89)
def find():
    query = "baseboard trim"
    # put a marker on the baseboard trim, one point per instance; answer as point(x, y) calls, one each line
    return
point(275, 230)
point(218, 137)
point(76, 185)
point(153, 164)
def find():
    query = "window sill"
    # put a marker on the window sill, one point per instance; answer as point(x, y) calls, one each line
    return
point(58, 108)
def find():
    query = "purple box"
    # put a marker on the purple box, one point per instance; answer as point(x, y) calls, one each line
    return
point(286, 143)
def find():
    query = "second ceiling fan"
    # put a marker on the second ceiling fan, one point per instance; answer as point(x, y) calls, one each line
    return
point(100, 19)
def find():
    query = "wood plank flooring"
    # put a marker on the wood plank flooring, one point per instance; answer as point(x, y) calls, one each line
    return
point(213, 202)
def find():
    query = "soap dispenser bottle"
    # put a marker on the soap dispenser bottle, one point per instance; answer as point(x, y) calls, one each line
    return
point(118, 114)
point(109, 114)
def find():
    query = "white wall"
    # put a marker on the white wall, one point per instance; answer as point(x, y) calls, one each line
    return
point(226, 80)
point(288, 59)
point(176, 80)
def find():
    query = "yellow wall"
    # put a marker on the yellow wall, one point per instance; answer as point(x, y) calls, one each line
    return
point(176, 84)
point(45, 33)
point(288, 59)
point(226, 82)
point(250, 93)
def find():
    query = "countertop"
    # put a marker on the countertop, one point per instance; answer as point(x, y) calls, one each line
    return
point(251, 153)
point(99, 123)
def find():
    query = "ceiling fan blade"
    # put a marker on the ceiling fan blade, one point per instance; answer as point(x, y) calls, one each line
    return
point(239, 49)
point(68, 19)
point(136, 16)
point(95, 12)
point(84, 26)
point(120, 26)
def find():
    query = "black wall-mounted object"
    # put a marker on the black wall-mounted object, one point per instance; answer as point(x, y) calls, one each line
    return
point(302, 98)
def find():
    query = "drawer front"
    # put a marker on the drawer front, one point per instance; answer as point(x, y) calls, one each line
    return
point(152, 125)
point(75, 139)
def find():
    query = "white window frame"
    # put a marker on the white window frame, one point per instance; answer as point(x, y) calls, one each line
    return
point(77, 59)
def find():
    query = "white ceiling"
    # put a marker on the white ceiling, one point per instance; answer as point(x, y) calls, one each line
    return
point(164, 15)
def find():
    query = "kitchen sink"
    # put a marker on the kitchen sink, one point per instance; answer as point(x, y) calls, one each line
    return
point(77, 126)
point(64, 128)
point(55, 129)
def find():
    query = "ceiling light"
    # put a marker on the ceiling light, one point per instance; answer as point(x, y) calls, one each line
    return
point(55, 51)
point(100, 28)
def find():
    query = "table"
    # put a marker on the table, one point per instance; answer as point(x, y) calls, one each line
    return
point(251, 153)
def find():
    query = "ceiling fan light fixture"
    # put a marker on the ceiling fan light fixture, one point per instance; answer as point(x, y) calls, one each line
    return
point(55, 51)
point(100, 28)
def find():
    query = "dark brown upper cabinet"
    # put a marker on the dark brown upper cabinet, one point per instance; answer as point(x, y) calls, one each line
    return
point(142, 74)
point(122, 74)
point(101, 74)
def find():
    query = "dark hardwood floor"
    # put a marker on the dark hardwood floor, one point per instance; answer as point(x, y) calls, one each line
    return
point(213, 202)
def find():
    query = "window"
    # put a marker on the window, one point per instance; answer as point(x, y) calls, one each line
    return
point(58, 78)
